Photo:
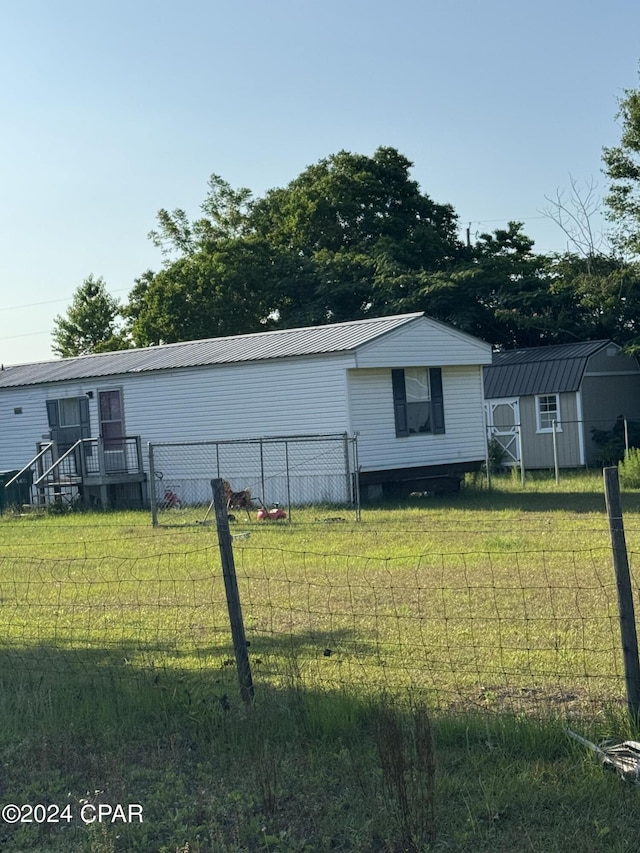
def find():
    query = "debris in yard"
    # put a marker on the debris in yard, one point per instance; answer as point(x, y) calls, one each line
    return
point(623, 757)
point(273, 514)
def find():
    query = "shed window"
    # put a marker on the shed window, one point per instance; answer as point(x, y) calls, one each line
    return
point(547, 411)
point(417, 401)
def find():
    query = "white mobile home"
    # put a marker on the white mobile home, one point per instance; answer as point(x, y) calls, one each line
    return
point(409, 386)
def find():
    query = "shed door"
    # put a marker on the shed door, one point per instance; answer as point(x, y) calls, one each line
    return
point(503, 424)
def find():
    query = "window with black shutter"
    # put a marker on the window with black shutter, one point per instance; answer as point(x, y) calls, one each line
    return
point(418, 403)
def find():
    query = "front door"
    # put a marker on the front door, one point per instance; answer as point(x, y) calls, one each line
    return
point(112, 430)
point(68, 421)
point(503, 425)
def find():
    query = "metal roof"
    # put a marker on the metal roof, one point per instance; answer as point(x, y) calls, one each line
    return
point(538, 370)
point(284, 343)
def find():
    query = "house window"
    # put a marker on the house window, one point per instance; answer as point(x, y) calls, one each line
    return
point(547, 411)
point(69, 412)
point(418, 396)
point(417, 400)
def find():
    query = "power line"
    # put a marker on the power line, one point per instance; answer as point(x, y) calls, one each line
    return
point(50, 302)
point(25, 335)
point(502, 219)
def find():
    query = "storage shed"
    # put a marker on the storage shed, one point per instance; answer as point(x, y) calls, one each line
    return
point(570, 389)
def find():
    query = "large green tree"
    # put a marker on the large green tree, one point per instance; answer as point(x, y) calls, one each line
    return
point(602, 293)
point(352, 236)
point(205, 294)
point(91, 322)
point(309, 253)
point(349, 217)
point(622, 166)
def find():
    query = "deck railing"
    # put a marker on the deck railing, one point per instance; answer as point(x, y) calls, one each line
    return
point(55, 475)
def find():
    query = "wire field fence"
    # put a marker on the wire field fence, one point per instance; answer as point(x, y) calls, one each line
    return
point(528, 632)
point(289, 471)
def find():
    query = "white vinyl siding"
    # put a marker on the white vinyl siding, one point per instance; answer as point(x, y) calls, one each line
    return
point(423, 342)
point(373, 418)
point(303, 396)
point(20, 432)
point(297, 397)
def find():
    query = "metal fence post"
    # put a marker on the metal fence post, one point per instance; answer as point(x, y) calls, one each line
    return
point(521, 455)
point(288, 475)
point(625, 593)
point(152, 487)
point(232, 593)
point(356, 476)
point(556, 466)
point(626, 438)
point(487, 463)
point(264, 497)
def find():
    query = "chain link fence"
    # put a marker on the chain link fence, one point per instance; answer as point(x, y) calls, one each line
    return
point(564, 445)
point(284, 471)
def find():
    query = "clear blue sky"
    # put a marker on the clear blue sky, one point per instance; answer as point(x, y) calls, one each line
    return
point(112, 110)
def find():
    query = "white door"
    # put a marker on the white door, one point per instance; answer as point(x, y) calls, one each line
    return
point(503, 424)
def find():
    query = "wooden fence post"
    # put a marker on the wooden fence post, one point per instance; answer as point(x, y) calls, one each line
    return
point(231, 590)
point(625, 593)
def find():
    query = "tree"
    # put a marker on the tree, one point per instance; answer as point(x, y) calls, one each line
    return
point(225, 217)
point(604, 291)
point(358, 225)
point(90, 324)
point(205, 294)
point(622, 166)
point(574, 215)
point(309, 253)
point(497, 290)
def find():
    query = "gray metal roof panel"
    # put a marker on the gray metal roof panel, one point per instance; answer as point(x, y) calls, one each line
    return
point(549, 353)
point(283, 343)
point(538, 370)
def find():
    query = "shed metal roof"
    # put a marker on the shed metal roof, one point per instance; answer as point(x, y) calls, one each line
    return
point(284, 343)
point(539, 370)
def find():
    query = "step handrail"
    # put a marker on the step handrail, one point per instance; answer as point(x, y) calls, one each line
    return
point(35, 459)
point(59, 460)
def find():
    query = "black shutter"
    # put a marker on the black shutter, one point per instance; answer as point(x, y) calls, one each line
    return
point(85, 426)
point(437, 400)
point(399, 403)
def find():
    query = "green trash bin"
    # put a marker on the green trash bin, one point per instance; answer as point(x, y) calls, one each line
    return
point(19, 492)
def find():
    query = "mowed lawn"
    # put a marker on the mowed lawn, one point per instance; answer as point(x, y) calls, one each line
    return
point(494, 613)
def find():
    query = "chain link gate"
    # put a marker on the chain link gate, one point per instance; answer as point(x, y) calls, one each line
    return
point(285, 470)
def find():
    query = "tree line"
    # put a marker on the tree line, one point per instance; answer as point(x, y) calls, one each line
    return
point(354, 236)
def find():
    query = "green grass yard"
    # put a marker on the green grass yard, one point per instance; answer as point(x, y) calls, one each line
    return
point(493, 611)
